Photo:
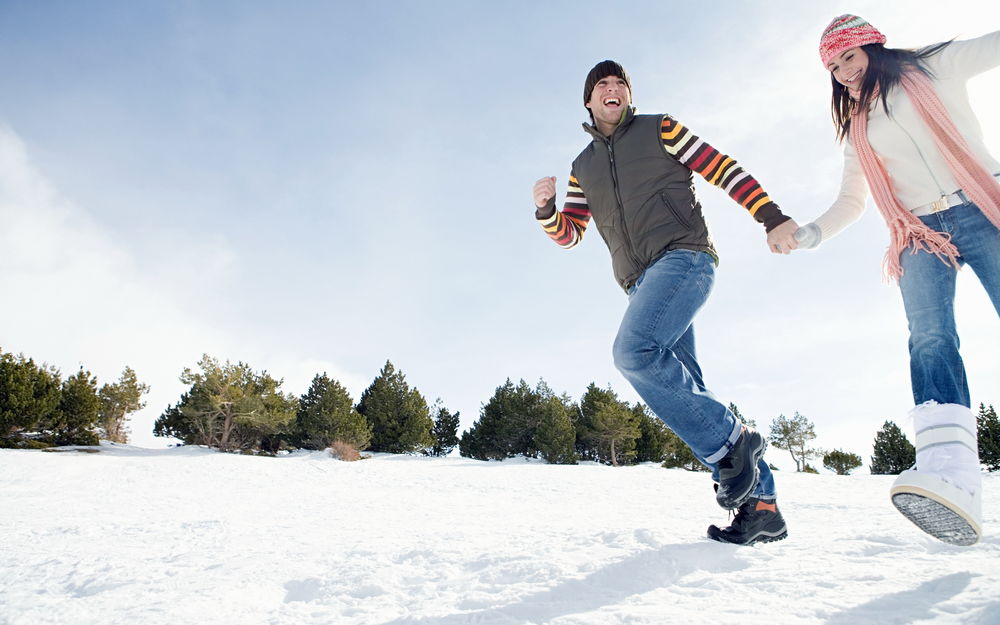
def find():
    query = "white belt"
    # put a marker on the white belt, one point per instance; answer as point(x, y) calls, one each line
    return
point(944, 203)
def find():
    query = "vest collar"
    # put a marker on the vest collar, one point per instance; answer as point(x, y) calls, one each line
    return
point(627, 118)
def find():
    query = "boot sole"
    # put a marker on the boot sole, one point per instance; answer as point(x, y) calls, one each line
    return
point(936, 518)
point(718, 535)
point(736, 502)
point(944, 511)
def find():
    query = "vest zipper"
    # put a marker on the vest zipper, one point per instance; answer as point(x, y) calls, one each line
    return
point(633, 256)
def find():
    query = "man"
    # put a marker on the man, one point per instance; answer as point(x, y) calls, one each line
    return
point(635, 180)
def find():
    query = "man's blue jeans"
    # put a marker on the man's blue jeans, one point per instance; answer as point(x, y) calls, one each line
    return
point(928, 288)
point(655, 352)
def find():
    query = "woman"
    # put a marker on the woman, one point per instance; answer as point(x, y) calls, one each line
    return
point(913, 140)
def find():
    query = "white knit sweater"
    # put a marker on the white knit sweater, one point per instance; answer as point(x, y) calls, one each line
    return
point(917, 170)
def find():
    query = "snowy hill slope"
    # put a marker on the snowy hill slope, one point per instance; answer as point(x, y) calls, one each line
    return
point(187, 535)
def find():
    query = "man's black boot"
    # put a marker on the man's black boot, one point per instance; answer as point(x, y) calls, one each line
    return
point(738, 472)
point(756, 521)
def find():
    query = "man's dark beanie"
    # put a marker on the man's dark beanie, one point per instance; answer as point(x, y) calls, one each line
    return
point(603, 70)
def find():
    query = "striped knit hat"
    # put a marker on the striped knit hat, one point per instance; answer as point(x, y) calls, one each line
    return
point(603, 70)
point(846, 32)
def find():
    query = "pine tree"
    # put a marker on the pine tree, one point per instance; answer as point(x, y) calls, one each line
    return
point(76, 419)
point(229, 406)
point(893, 453)
point(492, 436)
point(398, 415)
point(29, 398)
point(841, 462)
point(119, 400)
point(173, 424)
point(654, 436)
point(555, 436)
point(487, 439)
point(218, 397)
point(615, 430)
point(326, 414)
point(793, 435)
point(528, 411)
point(506, 426)
point(679, 455)
point(471, 445)
point(607, 428)
point(270, 428)
point(444, 431)
point(586, 445)
point(510, 421)
point(988, 431)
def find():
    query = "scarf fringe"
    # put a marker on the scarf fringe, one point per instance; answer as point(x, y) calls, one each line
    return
point(916, 238)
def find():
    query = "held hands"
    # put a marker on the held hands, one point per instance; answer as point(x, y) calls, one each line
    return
point(545, 190)
point(781, 240)
point(808, 236)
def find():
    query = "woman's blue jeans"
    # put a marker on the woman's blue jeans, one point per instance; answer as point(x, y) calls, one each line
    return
point(928, 288)
point(655, 352)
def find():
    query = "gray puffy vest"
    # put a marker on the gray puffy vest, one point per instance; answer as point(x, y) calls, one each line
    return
point(642, 200)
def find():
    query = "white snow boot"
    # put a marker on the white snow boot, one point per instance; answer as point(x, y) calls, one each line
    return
point(942, 493)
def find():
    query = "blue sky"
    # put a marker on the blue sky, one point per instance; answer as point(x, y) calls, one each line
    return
point(324, 186)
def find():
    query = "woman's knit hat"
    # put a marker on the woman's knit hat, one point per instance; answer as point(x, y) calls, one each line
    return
point(603, 70)
point(846, 32)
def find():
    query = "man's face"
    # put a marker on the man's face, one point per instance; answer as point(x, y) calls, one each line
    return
point(609, 99)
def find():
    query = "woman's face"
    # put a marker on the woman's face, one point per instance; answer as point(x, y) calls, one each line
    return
point(849, 67)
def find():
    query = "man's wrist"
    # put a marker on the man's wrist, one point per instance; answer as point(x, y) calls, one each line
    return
point(546, 212)
point(774, 221)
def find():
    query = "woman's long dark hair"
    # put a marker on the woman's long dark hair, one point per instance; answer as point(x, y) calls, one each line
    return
point(885, 69)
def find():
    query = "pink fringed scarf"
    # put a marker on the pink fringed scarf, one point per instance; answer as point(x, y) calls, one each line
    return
point(905, 229)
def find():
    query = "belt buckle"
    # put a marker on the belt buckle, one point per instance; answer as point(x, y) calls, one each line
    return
point(940, 204)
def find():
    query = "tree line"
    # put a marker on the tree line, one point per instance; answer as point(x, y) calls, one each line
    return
point(232, 407)
point(38, 408)
point(521, 420)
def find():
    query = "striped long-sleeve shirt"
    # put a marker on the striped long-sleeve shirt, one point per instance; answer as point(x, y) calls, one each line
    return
point(567, 227)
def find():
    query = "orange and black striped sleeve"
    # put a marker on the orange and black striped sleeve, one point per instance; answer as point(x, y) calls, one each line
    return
point(720, 170)
point(566, 227)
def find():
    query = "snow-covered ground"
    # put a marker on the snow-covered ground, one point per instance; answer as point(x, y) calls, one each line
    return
point(189, 536)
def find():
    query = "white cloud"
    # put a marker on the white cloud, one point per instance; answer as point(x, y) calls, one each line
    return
point(73, 295)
